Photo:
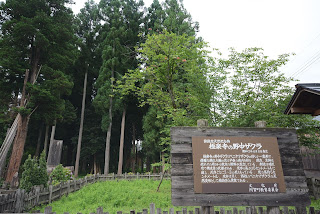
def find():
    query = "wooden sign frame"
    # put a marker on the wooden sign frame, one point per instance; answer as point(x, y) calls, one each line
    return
point(182, 172)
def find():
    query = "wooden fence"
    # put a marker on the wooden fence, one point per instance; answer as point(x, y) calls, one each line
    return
point(20, 201)
point(213, 210)
point(310, 158)
point(314, 187)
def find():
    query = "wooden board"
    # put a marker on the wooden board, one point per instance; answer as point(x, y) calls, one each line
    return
point(182, 169)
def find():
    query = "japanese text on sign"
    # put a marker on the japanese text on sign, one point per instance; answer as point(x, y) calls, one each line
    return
point(250, 164)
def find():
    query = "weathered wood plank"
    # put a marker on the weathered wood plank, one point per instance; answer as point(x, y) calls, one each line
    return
point(283, 199)
point(184, 134)
point(292, 182)
point(181, 169)
point(181, 158)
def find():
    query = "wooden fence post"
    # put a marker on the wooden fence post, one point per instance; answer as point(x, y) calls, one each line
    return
point(48, 210)
point(68, 187)
point(60, 189)
point(197, 211)
point(80, 183)
point(100, 210)
point(75, 185)
point(19, 205)
point(37, 192)
point(301, 210)
point(184, 211)
point(152, 208)
point(50, 193)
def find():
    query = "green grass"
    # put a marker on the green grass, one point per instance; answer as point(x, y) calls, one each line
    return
point(115, 196)
point(123, 196)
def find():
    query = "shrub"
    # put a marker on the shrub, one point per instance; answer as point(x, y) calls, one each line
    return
point(34, 172)
point(60, 174)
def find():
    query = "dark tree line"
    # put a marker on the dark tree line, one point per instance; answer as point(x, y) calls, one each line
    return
point(49, 57)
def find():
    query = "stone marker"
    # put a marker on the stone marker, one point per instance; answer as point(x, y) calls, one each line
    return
point(55, 151)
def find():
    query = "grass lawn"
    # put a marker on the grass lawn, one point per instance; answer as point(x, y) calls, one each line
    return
point(123, 196)
point(115, 196)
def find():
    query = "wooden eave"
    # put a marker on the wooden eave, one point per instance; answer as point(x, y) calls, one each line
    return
point(306, 100)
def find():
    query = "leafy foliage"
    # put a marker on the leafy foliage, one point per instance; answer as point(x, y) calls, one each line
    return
point(172, 79)
point(34, 172)
point(253, 88)
point(60, 174)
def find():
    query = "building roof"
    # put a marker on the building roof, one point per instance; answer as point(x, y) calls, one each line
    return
point(305, 100)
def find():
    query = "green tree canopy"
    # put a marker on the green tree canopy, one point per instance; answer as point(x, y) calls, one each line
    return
point(252, 88)
point(173, 80)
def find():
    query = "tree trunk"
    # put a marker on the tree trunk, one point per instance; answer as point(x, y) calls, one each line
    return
point(121, 141)
point(134, 150)
point(53, 132)
point(46, 137)
point(148, 165)
point(95, 170)
point(163, 162)
point(39, 141)
point(81, 124)
point(18, 147)
point(21, 136)
point(107, 152)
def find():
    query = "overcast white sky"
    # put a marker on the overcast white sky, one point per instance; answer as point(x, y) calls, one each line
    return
point(277, 26)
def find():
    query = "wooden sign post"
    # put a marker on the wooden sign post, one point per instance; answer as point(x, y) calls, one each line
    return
point(237, 167)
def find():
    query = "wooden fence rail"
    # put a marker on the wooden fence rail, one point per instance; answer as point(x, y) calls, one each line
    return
point(213, 210)
point(20, 200)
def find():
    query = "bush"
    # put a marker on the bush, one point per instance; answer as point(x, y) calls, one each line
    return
point(34, 172)
point(60, 174)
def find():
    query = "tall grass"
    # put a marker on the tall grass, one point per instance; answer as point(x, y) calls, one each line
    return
point(115, 196)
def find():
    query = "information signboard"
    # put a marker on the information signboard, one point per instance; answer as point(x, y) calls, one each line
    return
point(237, 167)
point(225, 164)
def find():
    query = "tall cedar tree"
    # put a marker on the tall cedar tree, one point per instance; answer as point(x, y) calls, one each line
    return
point(122, 25)
point(88, 61)
point(37, 36)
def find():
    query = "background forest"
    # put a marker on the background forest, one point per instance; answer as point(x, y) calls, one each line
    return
point(112, 80)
